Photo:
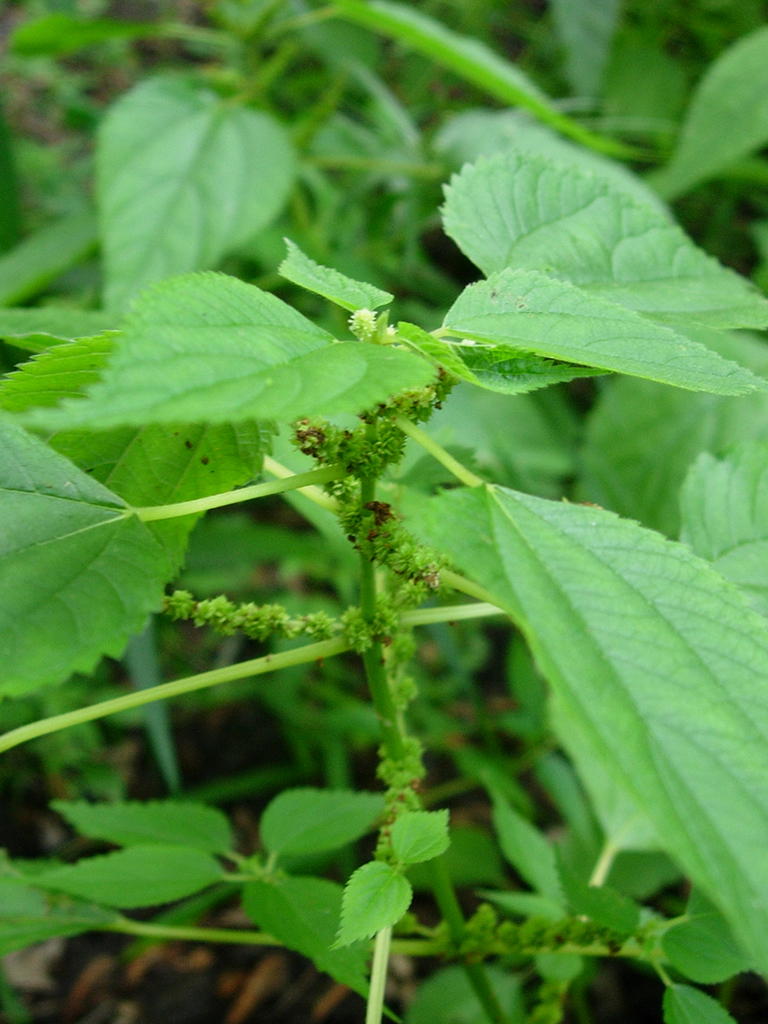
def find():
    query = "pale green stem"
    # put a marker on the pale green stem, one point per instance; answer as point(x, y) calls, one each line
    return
point(450, 613)
point(146, 929)
point(244, 669)
point(313, 493)
point(438, 452)
point(452, 579)
point(604, 864)
point(291, 482)
point(378, 982)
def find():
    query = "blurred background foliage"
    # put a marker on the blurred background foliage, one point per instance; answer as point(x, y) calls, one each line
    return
point(376, 130)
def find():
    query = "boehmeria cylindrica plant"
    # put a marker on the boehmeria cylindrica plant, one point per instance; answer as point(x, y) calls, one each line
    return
point(655, 652)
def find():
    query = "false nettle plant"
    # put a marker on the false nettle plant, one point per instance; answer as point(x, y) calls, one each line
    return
point(655, 652)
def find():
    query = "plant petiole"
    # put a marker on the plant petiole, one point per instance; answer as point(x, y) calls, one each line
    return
point(291, 482)
point(242, 670)
point(378, 981)
point(313, 493)
point(450, 613)
point(438, 452)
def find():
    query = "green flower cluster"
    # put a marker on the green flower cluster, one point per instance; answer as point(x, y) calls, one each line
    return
point(257, 621)
point(487, 936)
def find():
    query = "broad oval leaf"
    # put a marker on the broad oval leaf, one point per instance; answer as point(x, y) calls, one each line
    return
point(153, 465)
point(724, 507)
point(727, 118)
point(183, 178)
point(302, 821)
point(686, 1005)
point(375, 896)
point(140, 876)
point(549, 214)
point(655, 661)
point(304, 914)
point(74, 567)
point(207, 347)
point(128, 823)
point(702, 947)
point(533, 312)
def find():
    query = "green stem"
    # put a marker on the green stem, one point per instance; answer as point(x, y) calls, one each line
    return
point(444, 893)
point(373, 658)
point(450, 613)
point(378, 981)
point(452, 579)
point(255, 667)
point(438, 452)
point(604, 863)
point(313, 493)
point(146, 929)
point(395, 747)
point(296, 481)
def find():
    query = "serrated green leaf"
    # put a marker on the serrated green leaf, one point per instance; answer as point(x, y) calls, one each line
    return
point(303, 821)
point(726, 120)
point(206, 347)
point(375, 896)
point(686, 1005)
point(601, 904)
point(471, 859)
point(127, 823)
point(542, 213)
point(64, 371)
point(532, 312)
point(304, 914)
point(585, 28)
point(37, 328)
point(140, 876)
point(331, 284)
point(702, 948)
point(27, 268)
point(471, 134)
point(495, 367)
point(153, 465)
point(656, 663)
point(510, 372)
point(419, 835)
point(74, 568)
point(641, 438)
point(527, 850)
point(724, 505)
point(182, 178)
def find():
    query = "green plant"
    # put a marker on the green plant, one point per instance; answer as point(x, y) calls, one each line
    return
point(131, 422)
